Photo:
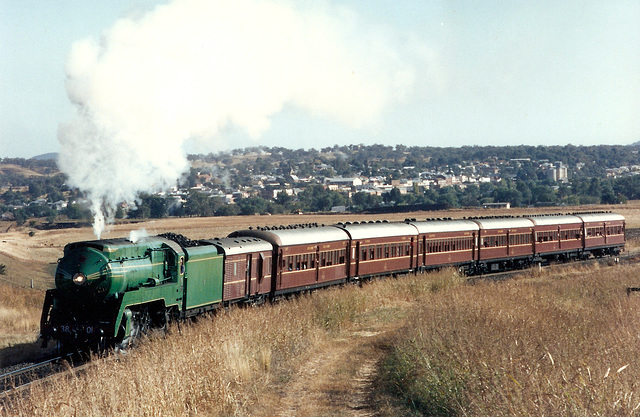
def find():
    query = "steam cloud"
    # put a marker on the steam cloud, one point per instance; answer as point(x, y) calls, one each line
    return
point(192, 69)
point(137, 235)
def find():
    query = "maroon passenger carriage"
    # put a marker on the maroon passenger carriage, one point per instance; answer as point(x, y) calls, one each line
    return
point(304, 256)
point(279, 260)
point(380, 248)
point(446, 242)
point(558, 237)
point(247, 267)
point(604, 233)
point(504, 243)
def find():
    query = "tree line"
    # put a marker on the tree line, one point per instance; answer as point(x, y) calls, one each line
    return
point(25, 182)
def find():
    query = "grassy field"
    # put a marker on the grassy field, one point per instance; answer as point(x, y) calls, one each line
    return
point(546, 343)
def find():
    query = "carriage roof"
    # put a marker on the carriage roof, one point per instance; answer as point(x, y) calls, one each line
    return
point(443, 226)
point(600, 217)
point(366, 230)
point(295, 235)
point(240, 245)
point(552, 220)
point(503, 223)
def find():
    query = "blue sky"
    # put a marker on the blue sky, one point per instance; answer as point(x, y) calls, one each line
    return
point(493, 72)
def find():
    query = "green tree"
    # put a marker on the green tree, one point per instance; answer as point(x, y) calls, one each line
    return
point(448, 196)
point(506, 193)
point(199, 204)
point(363, 201)
point(253, 205)
point(470, 197)
point(20, 216)
point(317, 198)
point(76, 211)
point(393, 196)
point(544, 194)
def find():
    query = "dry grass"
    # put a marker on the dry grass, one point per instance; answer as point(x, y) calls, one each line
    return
point(547, 343)
point(19, 310)
point(561, 344)
point(544, 344)
point(237, 363)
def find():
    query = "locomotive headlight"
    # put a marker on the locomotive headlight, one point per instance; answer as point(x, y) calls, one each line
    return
point(79, 278)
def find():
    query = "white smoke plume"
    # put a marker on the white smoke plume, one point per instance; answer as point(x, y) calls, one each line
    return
point(137, 235)
point(192, 69)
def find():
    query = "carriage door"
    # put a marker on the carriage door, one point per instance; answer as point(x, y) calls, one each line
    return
point(357, 261)
point(559, 238)
point(262, 267)
point(247, 275)
point(423, 251)
point(317, 263)
point(475, 254)
point(277, 279)
point(411, 261)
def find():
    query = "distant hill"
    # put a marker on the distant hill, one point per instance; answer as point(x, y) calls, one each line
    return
point(12, 169)
point(46, 156)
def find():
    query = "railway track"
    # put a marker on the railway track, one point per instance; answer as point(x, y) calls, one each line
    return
point(624, 258)
point(18, 380)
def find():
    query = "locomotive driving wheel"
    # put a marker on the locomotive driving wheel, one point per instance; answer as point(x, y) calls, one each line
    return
point(139, 325)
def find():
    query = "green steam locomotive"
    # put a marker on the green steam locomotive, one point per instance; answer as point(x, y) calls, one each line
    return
point(110, 291)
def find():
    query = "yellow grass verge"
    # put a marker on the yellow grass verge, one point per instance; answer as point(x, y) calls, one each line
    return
point(547, 343)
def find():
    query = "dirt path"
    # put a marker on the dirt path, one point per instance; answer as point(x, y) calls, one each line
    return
point(338, 379)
